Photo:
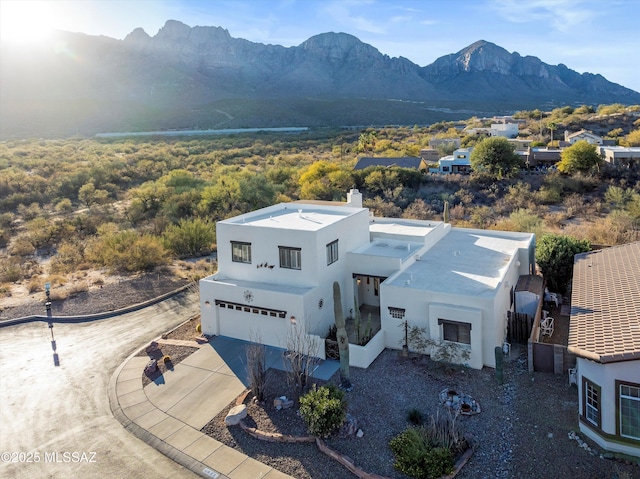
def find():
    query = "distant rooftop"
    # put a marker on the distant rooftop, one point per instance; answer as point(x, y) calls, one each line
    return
point(466, 262)
point(401, 162)
point(605, 304)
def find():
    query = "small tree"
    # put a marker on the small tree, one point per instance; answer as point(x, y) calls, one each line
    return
point(495, 156)
point(300, 358)
point(581, 157)
point(554, 255)
point(257, 368)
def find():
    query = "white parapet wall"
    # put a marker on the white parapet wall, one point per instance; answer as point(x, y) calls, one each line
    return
point(363, 356)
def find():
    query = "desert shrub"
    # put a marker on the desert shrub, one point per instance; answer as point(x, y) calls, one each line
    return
point(549, 196)
point(323, 409)
point(190, 237)
point(64, 206)
point(414, 416)
point(10, 270)
point(34, 285)
point(416, 457)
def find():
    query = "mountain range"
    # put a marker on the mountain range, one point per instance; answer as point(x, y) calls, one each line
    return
point(201, 77)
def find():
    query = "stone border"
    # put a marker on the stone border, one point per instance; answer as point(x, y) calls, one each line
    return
point(346, 461)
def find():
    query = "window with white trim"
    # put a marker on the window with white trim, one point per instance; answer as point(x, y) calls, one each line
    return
point(629, 401)
point(455, 331)
point(332, 252)
point(591, 402)
point(290, 258)
point(240, 252)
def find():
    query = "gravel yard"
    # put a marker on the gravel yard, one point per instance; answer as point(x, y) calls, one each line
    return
point(522, 431)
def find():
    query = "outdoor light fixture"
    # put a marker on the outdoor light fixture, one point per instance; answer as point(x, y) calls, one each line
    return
point(292, 319)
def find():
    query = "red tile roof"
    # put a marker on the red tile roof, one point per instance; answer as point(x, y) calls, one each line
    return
point(605, 304)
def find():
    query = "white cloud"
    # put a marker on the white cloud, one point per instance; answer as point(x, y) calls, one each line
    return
point(562, 15)
point(342, 13)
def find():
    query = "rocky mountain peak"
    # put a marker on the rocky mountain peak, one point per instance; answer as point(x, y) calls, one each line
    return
point(338, 46)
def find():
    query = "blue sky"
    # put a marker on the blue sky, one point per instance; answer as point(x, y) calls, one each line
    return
point(586, 35)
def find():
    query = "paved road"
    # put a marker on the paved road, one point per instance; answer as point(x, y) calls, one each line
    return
point(48, 409)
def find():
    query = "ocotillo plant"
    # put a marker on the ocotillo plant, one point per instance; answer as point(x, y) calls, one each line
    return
point(343, 339)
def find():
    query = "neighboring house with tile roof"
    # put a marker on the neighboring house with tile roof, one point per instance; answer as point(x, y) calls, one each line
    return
point(417, 163)
point(277, 265)
point(604, 333)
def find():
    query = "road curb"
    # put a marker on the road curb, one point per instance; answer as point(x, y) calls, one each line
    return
point(171, 452)
point(93, 317)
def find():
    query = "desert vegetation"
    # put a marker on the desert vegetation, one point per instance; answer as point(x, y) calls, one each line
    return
point(130, 205)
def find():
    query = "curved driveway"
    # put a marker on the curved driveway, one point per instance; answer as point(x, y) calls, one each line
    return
point(48, 411)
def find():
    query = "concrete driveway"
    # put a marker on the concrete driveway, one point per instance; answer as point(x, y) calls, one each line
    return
point(48, 412)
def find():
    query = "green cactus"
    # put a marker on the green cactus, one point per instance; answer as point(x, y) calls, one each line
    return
point(446, 212)
point(343, 339)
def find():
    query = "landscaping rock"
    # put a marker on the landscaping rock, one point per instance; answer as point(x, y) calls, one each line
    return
point(235, 415)
point(349, 426)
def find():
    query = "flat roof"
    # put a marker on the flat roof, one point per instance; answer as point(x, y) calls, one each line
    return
point(605, 304)
point(300, 217)
point(400, 227)
point(464, 262)
point(390, 248)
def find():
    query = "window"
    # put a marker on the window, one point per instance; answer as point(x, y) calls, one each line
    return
point(290, 257)
point(445, 168)
point(456, 331)
point(240, 252)
point(629, 404)
point(332, 252)
point(591, 402)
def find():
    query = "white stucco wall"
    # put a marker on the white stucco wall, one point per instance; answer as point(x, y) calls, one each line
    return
point(605, 376)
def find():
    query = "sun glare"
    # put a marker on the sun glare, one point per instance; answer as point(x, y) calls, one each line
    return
point(25, 21)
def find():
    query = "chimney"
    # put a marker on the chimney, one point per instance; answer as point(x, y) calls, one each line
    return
point(354, 198)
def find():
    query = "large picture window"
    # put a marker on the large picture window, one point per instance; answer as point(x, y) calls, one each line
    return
point(332, 252)
point(629, 407)
point(456, 331)
point(290, 257)
point(240, 252)
point(591, 402)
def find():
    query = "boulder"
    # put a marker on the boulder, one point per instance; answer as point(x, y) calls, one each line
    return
point(349, 426)
point(235, 415)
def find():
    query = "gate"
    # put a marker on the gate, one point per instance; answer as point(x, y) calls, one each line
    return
point(518, 327)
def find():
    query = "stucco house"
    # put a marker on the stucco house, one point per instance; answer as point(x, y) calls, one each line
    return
point(458, 162)
point(277, 266)
point(585, 135)
point(506, 130)
point(604, 333)
point(625, 157)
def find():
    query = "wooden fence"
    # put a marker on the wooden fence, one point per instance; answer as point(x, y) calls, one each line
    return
point(519, 327)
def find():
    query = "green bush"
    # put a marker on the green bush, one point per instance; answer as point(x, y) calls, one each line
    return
point(416, 457)
point(414, 416)
point(323, 409)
